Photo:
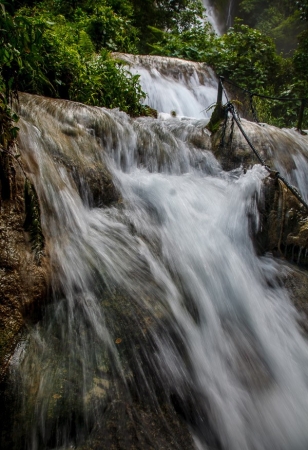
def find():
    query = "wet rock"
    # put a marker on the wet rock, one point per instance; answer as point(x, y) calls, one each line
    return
point(232, 150)
point(279, 148)
point(23, 279)
point(296, 282)
point(177, 68)
point(94, 183)
point(284, 219)
point(71, 142)
point(131, 425)
point(284, 223)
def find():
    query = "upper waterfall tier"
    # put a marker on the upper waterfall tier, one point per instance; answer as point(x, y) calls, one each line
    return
point(212, 15)
point(174, 85)
point(220, 16)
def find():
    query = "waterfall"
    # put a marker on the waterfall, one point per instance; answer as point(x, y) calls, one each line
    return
point(175, 86)
point(229, 16)
point(220, 16)
point(212, 15)
point(159, 305)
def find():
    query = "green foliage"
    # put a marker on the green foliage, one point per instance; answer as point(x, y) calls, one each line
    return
point(243, 54)
point(103, 81)
point(300, 80)
point(247, 56)
point(194, 44)
point(300, 57)
point(8, 128)
point(279, 19)
point(20, 43)
point(61, 48)
point(108, 30)
point(69, 65)
point(255, 12)
point(177, 15)
point(85, 44)
point(302, 6)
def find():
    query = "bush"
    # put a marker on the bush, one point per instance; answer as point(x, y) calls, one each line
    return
point(103, 81)
point(71, 69)
point(108, 30)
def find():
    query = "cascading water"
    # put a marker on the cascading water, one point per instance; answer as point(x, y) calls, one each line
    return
point(174, 86)
point(159, 306)
point(220, 14)
point(229, 16)
point(211, 14)
point(183, 88)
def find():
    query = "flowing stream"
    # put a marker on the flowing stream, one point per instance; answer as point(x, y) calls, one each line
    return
point(159, 304)
point(174, 86)
point(162, 321)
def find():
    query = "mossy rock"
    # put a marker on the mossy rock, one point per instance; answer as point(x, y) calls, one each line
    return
point(217, 117)
point(23, 279)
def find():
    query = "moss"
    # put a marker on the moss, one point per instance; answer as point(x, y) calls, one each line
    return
point(147, 111)
point(216, 119)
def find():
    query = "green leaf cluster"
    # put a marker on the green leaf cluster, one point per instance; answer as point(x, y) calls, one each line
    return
point(163, 15)
point(61, 50)
point(279, 19)
point(302, 6)
point(20, 43)
point(104, 81)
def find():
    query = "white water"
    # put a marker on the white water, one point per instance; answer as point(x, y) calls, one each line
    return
point(229, 15)
point(199, 313)
point(212, 16)
point(174, 85)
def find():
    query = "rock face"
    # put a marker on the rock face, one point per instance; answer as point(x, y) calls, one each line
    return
point(283, 149)
point(296, 282)
point(23, 278)
point(284, 229)
point(286, 224)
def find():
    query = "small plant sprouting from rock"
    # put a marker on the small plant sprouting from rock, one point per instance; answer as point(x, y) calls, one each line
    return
point(33, 220)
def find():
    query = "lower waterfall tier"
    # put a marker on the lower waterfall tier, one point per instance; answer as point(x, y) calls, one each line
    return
point(163, 327)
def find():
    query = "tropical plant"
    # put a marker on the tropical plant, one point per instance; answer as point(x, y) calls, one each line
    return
point(104, 81)
point(20, 44)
